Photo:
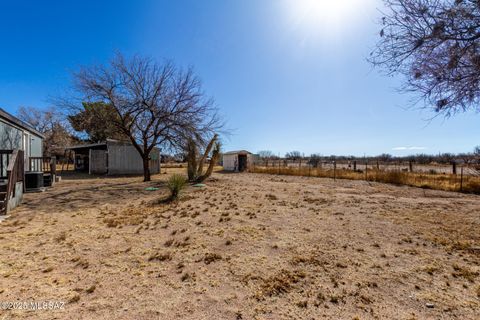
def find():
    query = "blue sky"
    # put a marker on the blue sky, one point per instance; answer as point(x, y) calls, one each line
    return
point(284, 76)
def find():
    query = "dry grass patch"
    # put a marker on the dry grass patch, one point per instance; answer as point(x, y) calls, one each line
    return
point(211, 257)
point(464, 272)
point(279, 283)
point(159, 256)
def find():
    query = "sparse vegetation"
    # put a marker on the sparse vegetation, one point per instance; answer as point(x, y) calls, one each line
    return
point(211, 257)
point(175, 184)
point(280, 283)
point(447, 182)
point(314, 248)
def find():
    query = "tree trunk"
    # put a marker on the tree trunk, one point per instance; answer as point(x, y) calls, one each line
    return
point(205, 154)
point(192, 160)
point(213, 162)
point(146, 169)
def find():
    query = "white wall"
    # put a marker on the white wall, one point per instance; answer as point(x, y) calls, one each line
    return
point(230, 162)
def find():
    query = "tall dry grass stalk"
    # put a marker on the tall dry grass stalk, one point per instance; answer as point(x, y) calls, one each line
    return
point(447, 182)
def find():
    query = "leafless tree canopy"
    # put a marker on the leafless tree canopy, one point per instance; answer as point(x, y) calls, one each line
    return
point(293, 155)
point(435, 44)
point(52, 124)
point(265, 154)
point(157, 104)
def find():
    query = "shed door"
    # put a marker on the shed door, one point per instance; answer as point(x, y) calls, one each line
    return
point(242, 162)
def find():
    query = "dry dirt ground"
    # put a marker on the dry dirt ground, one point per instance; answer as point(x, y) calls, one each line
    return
point(247, 246)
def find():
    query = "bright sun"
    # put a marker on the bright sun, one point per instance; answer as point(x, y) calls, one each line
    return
point(326, 17)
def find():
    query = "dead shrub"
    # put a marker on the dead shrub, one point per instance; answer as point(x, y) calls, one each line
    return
point(157, 256)
point(280, 283)
point(211, 257)
point(459, 271)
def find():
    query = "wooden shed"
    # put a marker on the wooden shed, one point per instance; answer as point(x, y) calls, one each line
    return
point(237, 161)
point(112, 157)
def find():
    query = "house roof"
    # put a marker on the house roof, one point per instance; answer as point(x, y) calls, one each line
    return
point(237, 152)
point(19, 123)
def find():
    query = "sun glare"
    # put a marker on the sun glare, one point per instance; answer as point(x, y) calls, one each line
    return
point(325, 17)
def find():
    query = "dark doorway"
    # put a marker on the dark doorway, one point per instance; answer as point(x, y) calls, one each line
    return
point(242, 162)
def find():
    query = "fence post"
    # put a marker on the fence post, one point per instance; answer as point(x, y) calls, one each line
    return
point(334, 170)
point(454, 167)
point(410, 166)
point(461, 179)
point(355, 165)
point(366, 170)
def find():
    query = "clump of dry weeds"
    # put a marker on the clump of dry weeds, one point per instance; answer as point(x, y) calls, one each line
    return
point(211, 257)
point(158, 256)
point(279, 283)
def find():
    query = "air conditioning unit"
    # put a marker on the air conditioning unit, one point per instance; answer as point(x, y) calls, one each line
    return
point(33, 181)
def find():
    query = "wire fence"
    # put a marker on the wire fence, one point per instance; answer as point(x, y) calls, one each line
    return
point(451, 177)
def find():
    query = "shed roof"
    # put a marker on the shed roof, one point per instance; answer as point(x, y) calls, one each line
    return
point(237, 152)
point(100, 145)
point(22, 124)
point(87, 146)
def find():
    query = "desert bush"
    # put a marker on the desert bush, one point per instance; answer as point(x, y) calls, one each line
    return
point(176, 183)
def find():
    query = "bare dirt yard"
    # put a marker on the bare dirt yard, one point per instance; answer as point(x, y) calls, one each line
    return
point(247, 246)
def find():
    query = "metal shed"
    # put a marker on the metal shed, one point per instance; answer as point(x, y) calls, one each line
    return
point(237, 161)
point(112, 157)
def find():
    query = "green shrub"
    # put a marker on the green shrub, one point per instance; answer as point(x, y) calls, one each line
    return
point(176, 183)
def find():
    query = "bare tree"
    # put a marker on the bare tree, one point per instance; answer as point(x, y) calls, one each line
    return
point(435, 45)
point(52, 124)
point(315, 160)
point(476, 153)
point(266, 156)
point(41, 120)
point(156, 104)
point(293, 155)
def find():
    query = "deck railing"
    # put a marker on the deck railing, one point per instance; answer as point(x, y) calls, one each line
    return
point(43, 164)
point(5, 156)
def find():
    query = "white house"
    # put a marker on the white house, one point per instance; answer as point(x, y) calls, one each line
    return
point(237, 161)
point(16, 134)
